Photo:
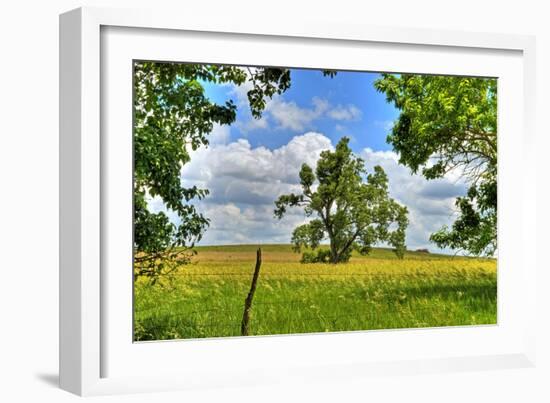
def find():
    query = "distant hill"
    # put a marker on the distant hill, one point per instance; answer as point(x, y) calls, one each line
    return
point(376, 253)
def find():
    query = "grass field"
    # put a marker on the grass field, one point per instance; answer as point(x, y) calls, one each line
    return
point(379, 291)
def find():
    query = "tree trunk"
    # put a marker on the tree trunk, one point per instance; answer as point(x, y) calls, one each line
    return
point(250, 297)
point(333, 253)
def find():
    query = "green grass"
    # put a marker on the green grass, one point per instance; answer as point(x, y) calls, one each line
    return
point(379, 291)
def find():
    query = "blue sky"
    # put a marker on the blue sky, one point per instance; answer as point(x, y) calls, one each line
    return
point(344, 90)
point(250, 163)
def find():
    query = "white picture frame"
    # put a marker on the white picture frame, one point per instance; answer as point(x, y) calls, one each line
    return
point(95, 355)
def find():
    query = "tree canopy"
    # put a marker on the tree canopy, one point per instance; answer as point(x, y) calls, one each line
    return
point(351, 212)
point(450, 124)
point(173, 116)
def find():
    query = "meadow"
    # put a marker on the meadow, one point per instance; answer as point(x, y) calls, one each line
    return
point(378, 291)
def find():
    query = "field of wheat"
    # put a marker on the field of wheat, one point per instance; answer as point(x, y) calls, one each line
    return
point(379, 291)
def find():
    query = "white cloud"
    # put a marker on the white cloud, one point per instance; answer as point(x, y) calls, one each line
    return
point(232, 224)
point(349, 112)
point(340, 128)
point(430, 203)
point(244, 182)
point(288, 114)
point(219, 134)
point(253, 124)
point(239, 161)
point(384, 124)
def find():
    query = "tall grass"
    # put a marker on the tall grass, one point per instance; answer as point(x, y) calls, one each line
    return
point(205, 298)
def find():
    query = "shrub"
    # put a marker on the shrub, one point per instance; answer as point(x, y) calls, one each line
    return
point(318, 256)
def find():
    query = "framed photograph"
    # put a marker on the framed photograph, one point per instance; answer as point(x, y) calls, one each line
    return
point(246, 203)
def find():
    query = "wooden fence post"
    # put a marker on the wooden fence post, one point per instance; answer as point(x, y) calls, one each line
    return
point(250, 297)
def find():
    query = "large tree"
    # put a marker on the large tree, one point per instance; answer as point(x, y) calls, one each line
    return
point(172, 116)
point(450, 124)
point(352, 212)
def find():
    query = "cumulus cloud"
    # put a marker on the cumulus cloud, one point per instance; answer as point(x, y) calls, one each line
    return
point(384, 124)
point(289, 115)
point(245, 181)
point(234, 224)
point(253, 124)
point(349, 112)
point(219, 134)
point(240, 161)
point(339, 128)
point(430, 203)
point(282, 114)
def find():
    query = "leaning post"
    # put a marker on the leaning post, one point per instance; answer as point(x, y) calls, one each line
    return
point(250, 296)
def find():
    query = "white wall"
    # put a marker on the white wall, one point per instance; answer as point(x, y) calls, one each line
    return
point(29, 201)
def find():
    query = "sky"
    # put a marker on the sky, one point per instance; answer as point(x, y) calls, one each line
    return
point(250, 163)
